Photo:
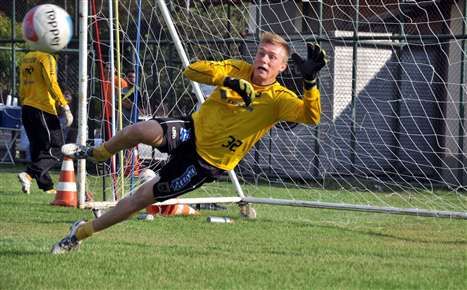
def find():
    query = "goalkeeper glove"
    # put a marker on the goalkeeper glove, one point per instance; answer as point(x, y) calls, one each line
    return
point(316, 60)
point(242, 87)
point(68, 115)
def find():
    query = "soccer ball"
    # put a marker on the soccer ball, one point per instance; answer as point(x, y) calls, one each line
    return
point(47, 28)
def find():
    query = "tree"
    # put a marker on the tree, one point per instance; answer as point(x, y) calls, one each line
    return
point(6, 56)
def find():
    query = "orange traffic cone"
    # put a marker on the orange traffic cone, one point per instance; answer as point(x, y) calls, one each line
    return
point(67, 194)
point(179, 209)
point(171, 210)
point(154, 209)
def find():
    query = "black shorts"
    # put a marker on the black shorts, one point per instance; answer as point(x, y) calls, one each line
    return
point(185, 170)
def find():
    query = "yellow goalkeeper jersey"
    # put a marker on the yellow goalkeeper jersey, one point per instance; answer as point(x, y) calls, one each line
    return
point(225, 129)
point(38, 86)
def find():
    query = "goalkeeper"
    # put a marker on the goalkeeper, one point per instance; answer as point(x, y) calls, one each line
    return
point(41, 98)
point(245, 104)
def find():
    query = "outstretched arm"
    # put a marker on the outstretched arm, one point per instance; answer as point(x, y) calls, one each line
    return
point(316, 60)
point(210, 72)
point(221, 73)
point(293, 109)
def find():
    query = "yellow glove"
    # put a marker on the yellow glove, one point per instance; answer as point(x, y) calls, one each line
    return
point(242, 87)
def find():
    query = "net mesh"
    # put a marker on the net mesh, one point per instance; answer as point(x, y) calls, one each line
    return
point(391, 132)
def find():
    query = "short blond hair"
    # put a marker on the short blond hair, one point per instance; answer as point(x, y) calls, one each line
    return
point(271, 37)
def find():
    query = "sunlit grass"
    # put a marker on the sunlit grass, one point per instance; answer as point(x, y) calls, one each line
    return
point(285, 248)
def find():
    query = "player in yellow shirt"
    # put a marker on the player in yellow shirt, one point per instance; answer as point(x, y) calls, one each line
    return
point(246, 103)
point(41, 99)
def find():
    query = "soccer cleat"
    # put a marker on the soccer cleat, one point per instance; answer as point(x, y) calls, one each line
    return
point(25, 181)
point(69, 242)
point(76, 151)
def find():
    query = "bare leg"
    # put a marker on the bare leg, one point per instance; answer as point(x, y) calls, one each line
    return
point(147, 132)
point(127, 206)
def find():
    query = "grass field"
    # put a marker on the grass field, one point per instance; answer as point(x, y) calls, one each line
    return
point(285, 248)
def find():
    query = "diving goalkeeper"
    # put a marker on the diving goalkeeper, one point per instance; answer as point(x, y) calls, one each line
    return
point(245, 104)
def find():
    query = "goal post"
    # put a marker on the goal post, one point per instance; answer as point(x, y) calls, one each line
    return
point(390, 138)
point(82, 97)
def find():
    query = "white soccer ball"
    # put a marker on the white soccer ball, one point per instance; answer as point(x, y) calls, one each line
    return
point(47, 28)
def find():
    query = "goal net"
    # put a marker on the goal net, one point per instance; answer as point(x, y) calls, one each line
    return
point(391, 136)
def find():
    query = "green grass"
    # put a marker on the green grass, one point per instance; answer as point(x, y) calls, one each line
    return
point(285, 248)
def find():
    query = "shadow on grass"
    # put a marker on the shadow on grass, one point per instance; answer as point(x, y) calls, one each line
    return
point(405, 239)
point(366, 232)
point(21, 253)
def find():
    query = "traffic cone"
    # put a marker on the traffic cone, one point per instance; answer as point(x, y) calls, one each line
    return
point(178, 209)
point(154, 209)
point(67, 194)
point(171, 210)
